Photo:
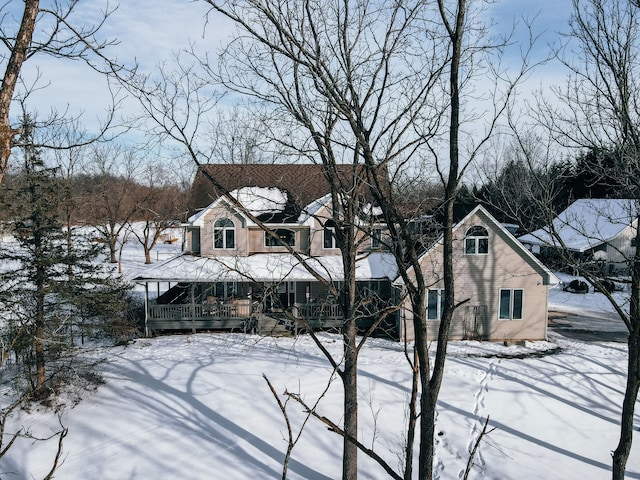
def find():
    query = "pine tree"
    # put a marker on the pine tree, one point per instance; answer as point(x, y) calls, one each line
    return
point(52, 282)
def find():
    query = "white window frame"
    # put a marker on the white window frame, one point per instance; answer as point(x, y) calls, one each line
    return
point(439, 293)
point(223, 232)
point(477, 241)
point(268, 238)
point(329, 231)
point(515, 307)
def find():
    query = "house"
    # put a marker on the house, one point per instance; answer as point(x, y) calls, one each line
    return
point(600, 232)
point(266, 258)
point(502, 287)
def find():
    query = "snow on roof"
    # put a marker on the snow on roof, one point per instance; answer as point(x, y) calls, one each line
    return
point(372, 210)
point(256, 200)
point(270, 267)
point(585, 224)
point(259, 200)
point(314, 207)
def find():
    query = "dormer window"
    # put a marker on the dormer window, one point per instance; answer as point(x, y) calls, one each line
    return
point(476, 241)
point(224, 234)
point(329, 235)
point(283, 236)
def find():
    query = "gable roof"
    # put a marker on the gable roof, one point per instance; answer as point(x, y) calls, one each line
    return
point(586, 223)
point(547, 276)
point(304, 183)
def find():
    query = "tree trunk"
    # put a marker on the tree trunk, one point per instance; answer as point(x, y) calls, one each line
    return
point(112, 249)
point(349, 374)
point(621, 453)
point(350, 384)
point(11, 74)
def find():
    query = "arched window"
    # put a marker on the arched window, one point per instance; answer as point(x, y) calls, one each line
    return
point(283, 236)
point(224, 234)
point(476, 241)
point(329, 235)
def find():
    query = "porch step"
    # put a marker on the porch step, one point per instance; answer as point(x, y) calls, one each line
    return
point(273, 326)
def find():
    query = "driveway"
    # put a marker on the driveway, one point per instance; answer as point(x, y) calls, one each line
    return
point(588, 326)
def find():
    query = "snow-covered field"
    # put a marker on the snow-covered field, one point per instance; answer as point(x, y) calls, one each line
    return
point(197, 407)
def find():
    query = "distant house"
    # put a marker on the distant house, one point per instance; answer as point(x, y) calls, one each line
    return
point(600, 232)
point(502, 287)
point(236, 275)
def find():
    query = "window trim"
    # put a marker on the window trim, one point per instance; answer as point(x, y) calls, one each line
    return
point(223, 230)
point(516, 305)
point(439, 305)
point(478, 237)
point(329, 233)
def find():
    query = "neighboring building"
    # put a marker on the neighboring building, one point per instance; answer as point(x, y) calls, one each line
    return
point(502, 288)
point(599, 232)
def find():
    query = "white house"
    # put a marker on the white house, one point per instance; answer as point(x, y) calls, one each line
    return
point(600, 231)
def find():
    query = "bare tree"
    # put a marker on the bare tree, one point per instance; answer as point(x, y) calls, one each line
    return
point(160, 206)
point(112, 205)
point(598, 109)
point(60, 37)
point(333, 68)
point(375, 86)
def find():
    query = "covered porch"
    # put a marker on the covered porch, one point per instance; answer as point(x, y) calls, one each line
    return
point(212, 294)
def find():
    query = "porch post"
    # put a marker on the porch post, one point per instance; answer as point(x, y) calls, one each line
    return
point(146, 309)
point(192, 295)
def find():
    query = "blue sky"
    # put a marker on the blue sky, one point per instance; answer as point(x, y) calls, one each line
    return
point(148, 34)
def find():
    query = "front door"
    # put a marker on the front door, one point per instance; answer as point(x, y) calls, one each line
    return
point(287, 294)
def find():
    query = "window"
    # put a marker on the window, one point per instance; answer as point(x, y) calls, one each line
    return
point(329, 235)
point(224, 234)
point(283, 236)
point(476, 241)
point(376, 238)
point(435, 304)
point(511, 304)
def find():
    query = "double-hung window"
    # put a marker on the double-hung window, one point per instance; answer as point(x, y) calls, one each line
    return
point(224, 234)
point(511, 304)
point(435, 304)
point(329, 235)
point(376, 238)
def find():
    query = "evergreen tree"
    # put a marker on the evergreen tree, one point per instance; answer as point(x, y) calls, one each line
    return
point(52, 283)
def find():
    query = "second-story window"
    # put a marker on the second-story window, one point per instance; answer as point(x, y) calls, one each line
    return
point(329, 235)
point(476, 241)
point(283, 236)
point(376, 238)
point(224, 234)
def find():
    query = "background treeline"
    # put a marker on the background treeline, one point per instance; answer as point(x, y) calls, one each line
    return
point(529, 195)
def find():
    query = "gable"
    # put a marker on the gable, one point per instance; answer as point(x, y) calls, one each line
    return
point(506, 252)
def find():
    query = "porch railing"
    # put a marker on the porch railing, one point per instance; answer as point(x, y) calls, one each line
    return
point(237, 314)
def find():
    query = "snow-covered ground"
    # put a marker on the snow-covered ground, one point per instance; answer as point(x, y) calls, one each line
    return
point(197, 407)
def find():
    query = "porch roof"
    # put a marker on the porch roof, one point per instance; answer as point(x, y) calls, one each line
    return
point(271, 267)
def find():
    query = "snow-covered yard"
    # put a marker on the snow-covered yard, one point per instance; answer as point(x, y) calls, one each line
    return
point(197, 407)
